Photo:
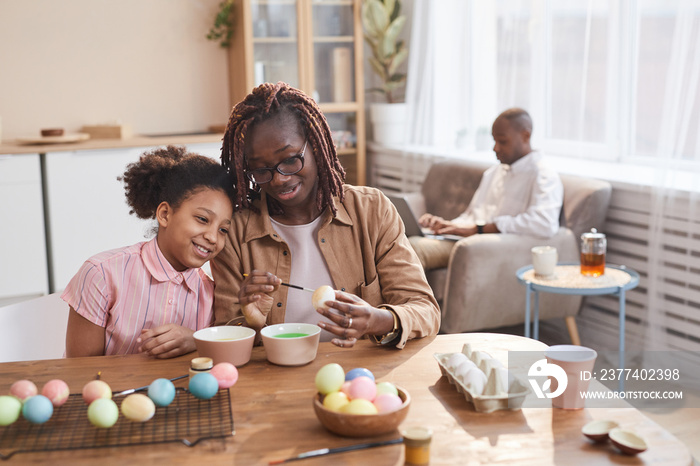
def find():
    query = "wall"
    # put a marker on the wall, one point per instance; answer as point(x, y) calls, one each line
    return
point(74, 62)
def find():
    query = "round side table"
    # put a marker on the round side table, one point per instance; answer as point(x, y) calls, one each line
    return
point(568, 280)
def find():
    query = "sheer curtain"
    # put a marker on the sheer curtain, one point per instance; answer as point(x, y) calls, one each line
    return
point(611, 85)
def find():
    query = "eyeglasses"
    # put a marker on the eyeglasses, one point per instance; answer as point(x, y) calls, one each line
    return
point(288, 166)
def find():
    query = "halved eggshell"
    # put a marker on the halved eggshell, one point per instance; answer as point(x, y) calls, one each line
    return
point(598, 430)
point(627, 442)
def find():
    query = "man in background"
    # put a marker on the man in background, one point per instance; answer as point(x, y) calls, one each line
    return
point(521, 195)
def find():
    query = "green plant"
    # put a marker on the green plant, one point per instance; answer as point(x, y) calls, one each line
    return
point(222, 30)
point(382, 22)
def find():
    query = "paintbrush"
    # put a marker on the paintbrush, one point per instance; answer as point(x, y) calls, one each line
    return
point(132, 390)
point(330, 451)
point(292, 286)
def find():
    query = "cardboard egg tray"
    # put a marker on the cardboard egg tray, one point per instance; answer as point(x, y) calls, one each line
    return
point(493, 398)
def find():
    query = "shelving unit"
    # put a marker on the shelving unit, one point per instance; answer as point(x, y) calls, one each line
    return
point(315, 46)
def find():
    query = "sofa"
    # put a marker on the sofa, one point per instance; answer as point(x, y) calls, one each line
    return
point(479, 290)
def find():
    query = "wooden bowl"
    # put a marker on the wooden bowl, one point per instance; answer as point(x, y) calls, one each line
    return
point(52, 132)
point(362, 425)
point(627, 442)
point(598, 430)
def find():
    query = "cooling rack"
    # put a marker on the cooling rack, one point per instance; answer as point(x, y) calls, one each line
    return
point(187, 419)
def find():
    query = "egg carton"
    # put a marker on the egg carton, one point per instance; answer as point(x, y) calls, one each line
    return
point(492, 390)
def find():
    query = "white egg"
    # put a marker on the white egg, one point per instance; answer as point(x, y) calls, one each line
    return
point(455, 360)
point(463, 368)
point(475, 381)
point(321, 295)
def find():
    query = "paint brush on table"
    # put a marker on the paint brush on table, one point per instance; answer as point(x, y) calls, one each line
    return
point(132, 390)
point(330, 451)
point(292, 286)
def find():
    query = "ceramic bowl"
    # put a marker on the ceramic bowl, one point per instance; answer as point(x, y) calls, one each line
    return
point(225, 344)
point(362, 425)
point(598, 430)
point(291, 344)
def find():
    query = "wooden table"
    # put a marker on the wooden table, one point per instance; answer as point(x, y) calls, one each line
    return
point(274, 417)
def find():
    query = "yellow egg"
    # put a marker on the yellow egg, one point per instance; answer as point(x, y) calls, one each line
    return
point(321, 295)
point(138, 407)
point(359, 406)
point(335, 401)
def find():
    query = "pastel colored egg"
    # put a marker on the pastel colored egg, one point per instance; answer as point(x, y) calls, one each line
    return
point(359, 406)
point(329, 378)
point(387, 387)
point(162, 392)
point(10, 408)
point(204, 386)
point(345, 388)
point(362, 387)
point(96, 389)
point(226, 373)
point(387, 402)
point(37, 409)
point(335, 401)
point(138, 407)
point(23, 389)
point(103, 413)
point(57, 391)
point(358, 371)
point(321, 295)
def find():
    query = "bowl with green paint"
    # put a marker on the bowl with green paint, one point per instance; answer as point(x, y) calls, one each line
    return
point(291, 344)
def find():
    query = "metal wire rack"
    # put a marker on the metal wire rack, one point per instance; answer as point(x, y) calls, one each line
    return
point(187, 419)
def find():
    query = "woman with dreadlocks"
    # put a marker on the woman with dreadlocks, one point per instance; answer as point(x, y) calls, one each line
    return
point(295, 221)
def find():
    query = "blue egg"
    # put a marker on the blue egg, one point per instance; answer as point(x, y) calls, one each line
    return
point(37, 409)
point(204, 386)
point(161, 392)
point(358, 371)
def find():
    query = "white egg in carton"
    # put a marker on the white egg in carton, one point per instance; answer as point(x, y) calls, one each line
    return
point(468, 372)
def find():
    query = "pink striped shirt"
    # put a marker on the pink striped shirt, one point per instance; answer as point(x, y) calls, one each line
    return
point(133, 288)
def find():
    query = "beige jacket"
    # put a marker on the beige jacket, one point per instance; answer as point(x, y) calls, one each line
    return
point(366, 250)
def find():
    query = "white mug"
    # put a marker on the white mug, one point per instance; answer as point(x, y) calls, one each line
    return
point(544, 260)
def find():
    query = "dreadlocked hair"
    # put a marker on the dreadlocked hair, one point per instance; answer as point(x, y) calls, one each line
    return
point(267, 101)
point(171, 175)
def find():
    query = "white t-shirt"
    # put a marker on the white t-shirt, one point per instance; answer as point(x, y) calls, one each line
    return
point(309, 270)
point(524, 198)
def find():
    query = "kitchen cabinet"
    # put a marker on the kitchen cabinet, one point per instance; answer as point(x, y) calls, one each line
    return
point(23, 269)
point(315, 46)
point(88, 212)
point(87, 208)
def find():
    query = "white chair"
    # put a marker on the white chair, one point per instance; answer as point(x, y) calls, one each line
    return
point(33, 329)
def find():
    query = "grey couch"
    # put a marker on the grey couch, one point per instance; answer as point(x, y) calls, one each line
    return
point(479, 290)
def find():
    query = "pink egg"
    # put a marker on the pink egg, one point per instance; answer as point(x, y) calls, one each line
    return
point(23, 389)
point(57, 391)
point(362, 387)
point(96, 389)
point(386, 402)
point(226, 373)
point(345, 388)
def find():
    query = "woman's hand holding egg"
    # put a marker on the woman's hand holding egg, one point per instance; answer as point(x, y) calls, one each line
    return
point(351, 316)
point(255, 297)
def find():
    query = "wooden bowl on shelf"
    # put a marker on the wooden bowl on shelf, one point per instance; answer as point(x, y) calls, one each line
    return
point(52, 132)
point(362, 425)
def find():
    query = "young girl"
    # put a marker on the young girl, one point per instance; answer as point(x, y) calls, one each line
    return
point(152, 296)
